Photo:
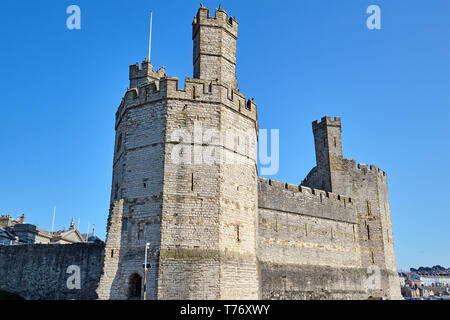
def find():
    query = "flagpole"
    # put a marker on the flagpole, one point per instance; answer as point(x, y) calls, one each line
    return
point(150, 42)
point(53, 220)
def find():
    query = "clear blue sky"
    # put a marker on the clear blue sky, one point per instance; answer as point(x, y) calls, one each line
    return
point(301, 60)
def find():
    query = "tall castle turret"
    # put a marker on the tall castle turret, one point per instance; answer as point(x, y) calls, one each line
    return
point(215, 47)
point(185, 179)
point(328, 143)
point(367, 186)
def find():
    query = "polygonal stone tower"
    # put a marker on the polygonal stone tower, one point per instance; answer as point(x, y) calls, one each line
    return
point(185, 179)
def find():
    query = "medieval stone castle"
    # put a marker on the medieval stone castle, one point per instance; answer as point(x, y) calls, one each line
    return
point(218, 231)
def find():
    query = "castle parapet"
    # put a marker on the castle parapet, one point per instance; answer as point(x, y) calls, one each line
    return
point(220, 19)
point(350, 164)
point(286, 197)
point(142, 74)
point(195, 91)
point(327, 121)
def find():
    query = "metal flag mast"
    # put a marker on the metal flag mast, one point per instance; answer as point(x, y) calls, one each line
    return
point(53, 220)
point(150, 41)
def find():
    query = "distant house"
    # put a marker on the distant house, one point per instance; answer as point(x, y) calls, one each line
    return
point(410, 292)
point(6, 237)
point(15, 232)
point(426, 292)
point(426, 284)
point(91, 237)
point(402, 277)
point(66, 237)
point(8, 221)
point(412, 280)
point(434, 280)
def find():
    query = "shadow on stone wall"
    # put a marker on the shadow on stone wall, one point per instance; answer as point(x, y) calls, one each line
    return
point(41, 272)
point(9, 296)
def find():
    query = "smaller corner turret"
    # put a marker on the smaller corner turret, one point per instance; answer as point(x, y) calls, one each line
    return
point(328, 141)
point(329, 156)
point(144, 73)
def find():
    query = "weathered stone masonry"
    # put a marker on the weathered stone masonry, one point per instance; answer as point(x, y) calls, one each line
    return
point(216, 230)
point(39, 272)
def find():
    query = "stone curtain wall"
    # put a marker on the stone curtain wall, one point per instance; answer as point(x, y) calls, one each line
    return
point(39, 272)
point(308, 244)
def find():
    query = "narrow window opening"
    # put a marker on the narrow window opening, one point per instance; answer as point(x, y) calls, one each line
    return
point(112, 253)
point(369, 212)
point(116, 191)
point(368, 232)
point(193, 93)
point(124, 224)
point(119, 142)
point(335, 142)
point(140, 231)
point(192, 182)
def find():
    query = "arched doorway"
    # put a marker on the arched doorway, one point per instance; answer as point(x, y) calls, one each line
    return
point(135, 287)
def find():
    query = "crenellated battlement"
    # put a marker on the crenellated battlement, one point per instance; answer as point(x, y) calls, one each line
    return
point(372, 168)
point(286, 197)
point(327, 121)
point(350, 164)
point(220, 19)
point(141, 74)
point(195, 91)
point(275, 184)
